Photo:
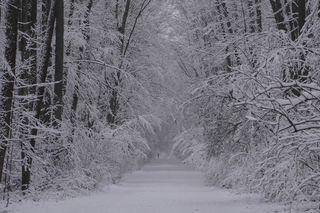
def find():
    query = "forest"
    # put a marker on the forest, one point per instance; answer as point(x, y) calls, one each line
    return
point(91, 90)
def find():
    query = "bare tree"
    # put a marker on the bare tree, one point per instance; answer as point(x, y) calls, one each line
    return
point(125, 43)
point(43, 71)
point(28, 49)
point(8, 78)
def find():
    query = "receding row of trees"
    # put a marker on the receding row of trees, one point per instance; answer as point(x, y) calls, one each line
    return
point(21, 38)
point(255, 99)
point(76, 96)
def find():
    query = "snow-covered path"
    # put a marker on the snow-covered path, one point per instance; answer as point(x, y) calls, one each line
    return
point(162, 186)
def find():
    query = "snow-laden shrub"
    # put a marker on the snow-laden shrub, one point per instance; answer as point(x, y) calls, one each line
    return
point(223, 172)
point(129, 149)
point(289, 170)
point(190, 147)
point(256, 95)
point(91, 158)
point(111, 152)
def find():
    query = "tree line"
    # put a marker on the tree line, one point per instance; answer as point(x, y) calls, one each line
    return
point(72, 80)
point(254, 103)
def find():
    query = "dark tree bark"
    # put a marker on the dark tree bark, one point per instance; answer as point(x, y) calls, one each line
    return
point(43, 71)
point(7, 88)
point(59, 58)
point(231, 31)
point(45, 60)
point(114, 101)
point(299, 17)
point(259, 15)
point(278, 10)
point(117, 13)
point(122, 27)
point(228, 59)
point(296, 14)
point(29, 74)
point(144, 5)
point(46, 112)
point(224, 14)
point(44, 63)
point(70, 22)
point(28, 46)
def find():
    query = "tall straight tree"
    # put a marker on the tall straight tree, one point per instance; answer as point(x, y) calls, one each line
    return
point(299, 8)
point(125, 43)
point(8, 77)
point(122, 27)
point(28, 48)
point(43, 72)
point(290, 16)
point(227, 28)
point(59, 55)
point(122, 24)
point(279, 14)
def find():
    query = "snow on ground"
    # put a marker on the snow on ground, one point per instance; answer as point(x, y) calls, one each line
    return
point(163, 186)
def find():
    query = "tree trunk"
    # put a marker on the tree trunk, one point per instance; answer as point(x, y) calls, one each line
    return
point(117, 13)
point(43, 69)
point(122, 28)
point(114, 99)
point(259, 15)
point(46, 112)
point(59, 58)
point(299, 18)
point(70, 17)
point(44, 63)
point(8, 77)
point(223, 13)
point(318, 9)
point(278, 10)
point(228, 59)
point(296, 14)
point(29, 74)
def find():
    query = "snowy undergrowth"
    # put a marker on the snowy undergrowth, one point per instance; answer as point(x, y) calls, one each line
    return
point(273, 172)
point(260, 119)
point(92, 158)
point(189, 146)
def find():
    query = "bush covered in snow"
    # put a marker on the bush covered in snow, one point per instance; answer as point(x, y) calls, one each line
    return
point(255, 96)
